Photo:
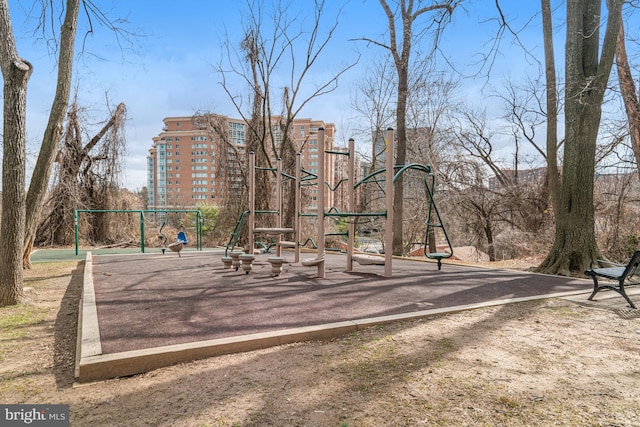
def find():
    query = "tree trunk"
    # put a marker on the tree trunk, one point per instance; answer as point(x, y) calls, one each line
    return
point(401, 156)
point(629, 95)
point(53, 131)
point(553, 175)
point(16, 73)
point(401, 53)
point(586, 79)
point(488, 232)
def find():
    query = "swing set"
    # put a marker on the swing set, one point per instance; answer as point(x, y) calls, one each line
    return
point(182, 237)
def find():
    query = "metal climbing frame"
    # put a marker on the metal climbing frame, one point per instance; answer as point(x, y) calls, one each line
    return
point(434, 222)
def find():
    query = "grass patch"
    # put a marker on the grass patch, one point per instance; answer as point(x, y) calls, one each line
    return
point(15, 322)
point(41, 274)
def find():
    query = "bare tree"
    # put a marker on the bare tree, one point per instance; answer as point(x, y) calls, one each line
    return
point(400, 44)
point(502, 195)
point(430, 106)
point(616, 207)
point(372, 100)
point(476, 138)
point(16, 73)
point(86, 177)
point(53, 131)
point(21, 214)
point(629, 95)
point(263, 54)
point(476, 204)
point(553, 174)
point(588, 64)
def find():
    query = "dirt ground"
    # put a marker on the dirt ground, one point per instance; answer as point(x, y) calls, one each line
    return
point(541, 363)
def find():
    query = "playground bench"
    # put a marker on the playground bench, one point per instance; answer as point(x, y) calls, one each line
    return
point(615, 272)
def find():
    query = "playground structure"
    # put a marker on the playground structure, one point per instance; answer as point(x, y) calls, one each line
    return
point(181, 240)
point(181, 236)
point(304, 178)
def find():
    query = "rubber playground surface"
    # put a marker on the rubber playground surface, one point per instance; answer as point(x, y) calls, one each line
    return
point(154, 306)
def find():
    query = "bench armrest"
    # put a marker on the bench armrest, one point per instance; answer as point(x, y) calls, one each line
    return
point(604, 261)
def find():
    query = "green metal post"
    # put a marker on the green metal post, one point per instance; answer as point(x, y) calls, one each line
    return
point(200, 221)
point(142, 230)
point(75, 220)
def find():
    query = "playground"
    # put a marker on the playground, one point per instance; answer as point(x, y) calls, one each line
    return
point(557, 361)
point(149, 310)
point(145, 311)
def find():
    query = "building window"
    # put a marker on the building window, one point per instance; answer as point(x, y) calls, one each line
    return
point(236, 131)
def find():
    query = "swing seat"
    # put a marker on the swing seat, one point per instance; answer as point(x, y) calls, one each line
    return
point(176, 247)
point(439, 256)
point(182, 238)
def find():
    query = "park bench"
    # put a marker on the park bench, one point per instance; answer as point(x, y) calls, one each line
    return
point(620, 273)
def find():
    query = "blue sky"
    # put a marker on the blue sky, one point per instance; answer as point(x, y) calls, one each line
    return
point(169, 69)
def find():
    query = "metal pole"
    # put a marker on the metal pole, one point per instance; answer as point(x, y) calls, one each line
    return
point(388, 229)
point(75, 220)
point(320, 203)
point(142, 230)
point(352, 205)
point(200, 230)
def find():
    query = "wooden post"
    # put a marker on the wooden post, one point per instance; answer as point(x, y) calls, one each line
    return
point(278, 204)
point(388, 228)
point(252, 199)
point(296, 223)
point(351, 201)
point(321, 203)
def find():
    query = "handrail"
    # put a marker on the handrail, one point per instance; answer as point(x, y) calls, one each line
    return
point(235, 235)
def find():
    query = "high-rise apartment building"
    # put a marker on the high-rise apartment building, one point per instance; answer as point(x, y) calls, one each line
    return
point(201, 159)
